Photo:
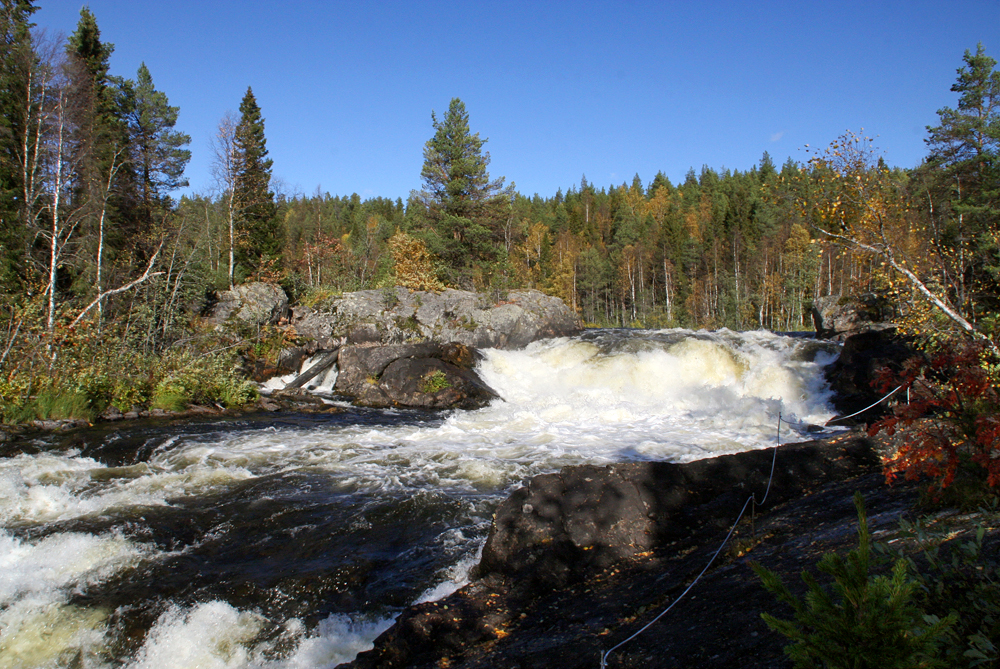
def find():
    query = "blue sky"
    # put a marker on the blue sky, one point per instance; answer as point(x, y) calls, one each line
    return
point(560, 89)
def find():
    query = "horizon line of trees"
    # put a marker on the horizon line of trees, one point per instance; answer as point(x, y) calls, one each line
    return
point(88, 162)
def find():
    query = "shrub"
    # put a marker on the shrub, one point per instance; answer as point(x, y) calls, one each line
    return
point(869, 621)
point(951, 421)
point(435, 381)
point(958, 578)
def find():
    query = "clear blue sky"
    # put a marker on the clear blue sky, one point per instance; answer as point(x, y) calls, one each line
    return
point(560, 89)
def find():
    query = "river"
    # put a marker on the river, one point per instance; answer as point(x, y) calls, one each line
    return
point(290, 541)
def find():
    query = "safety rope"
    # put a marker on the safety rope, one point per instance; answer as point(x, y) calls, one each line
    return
point(867, 407)
point(751, 499)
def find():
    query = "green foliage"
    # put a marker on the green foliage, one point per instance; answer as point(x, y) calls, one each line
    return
point(434, 382)
point(868, 621)
point(960, 579)
point(195, 379)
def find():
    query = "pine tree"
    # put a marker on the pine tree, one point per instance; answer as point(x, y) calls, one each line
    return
point(260, 230)
point(463, 205)
point(962, 181)
point(158, 153)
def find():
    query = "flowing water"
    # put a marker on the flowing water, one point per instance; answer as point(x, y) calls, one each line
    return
point(292, 540)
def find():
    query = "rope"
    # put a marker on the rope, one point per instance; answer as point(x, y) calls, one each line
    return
point(753, 499)
point(869, 406)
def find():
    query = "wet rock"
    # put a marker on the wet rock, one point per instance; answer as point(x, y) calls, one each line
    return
point(428, 375)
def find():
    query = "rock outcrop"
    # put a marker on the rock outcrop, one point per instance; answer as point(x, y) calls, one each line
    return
point(405, 348)
point(253, 303)
point(398, 316)
point(427, 376)
point(851, 376)
point(577, 561)
point(838, 317)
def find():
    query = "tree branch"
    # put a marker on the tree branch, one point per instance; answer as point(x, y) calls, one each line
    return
point(148, 274)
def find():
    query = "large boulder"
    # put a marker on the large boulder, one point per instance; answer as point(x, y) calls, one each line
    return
point(426, 375)
point(852, 376)
point(839, 316)
point(579, 560)
point(398, 316)
point(254, 303)
point(566, 526)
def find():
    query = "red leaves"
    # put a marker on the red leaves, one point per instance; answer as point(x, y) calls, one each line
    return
point(952, 416)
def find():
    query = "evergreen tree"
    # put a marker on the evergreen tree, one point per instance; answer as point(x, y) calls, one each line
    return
point(16, 62)
point(101, 133)
point(158, 153)
point(962, 177)
point(259, 228)
point(104, 190)
point(463, 205)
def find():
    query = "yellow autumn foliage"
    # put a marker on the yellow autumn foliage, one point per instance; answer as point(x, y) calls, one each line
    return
point(412, 263)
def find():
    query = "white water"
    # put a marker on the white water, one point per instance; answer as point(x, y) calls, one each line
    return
point(670, 395)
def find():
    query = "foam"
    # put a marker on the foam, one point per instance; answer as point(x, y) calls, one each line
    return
point(38, 627)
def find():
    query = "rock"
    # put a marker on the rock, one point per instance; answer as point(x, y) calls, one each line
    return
point(397, 316)
point(252, 303)
point(852, 374)
point(427, 375)
point(578, 561)
point(837, 317)
point(311, 326)
point(563, 527)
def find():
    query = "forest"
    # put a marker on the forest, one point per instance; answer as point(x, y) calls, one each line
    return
point(102, 269)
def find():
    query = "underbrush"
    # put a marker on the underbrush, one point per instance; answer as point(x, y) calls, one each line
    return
point(79, 372)
point(931, 601)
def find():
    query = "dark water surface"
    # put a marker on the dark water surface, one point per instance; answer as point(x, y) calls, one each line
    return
point(291, 540)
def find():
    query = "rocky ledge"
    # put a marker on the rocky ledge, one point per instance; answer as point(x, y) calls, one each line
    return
point(403, 348)
point(578, 561)
point(398, 315)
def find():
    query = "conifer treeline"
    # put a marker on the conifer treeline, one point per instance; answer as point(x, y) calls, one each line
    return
point(719, 250)
point(88, 160)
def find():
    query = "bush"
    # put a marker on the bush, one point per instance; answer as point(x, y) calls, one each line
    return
point(958, 578)
point(77, 372)
point(951, 421)
point(870, 621)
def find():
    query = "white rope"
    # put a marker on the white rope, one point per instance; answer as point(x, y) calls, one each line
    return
point(753, 499)
point(869, 406)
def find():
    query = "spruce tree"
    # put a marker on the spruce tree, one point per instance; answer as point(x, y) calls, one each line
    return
point(104, 183)
point(259, 227)
point(16, 62)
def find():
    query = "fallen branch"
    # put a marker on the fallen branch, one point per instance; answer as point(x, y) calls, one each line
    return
point(148, 274)
point(325, 362)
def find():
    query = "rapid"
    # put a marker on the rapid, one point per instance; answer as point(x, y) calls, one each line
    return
point(285, 541)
